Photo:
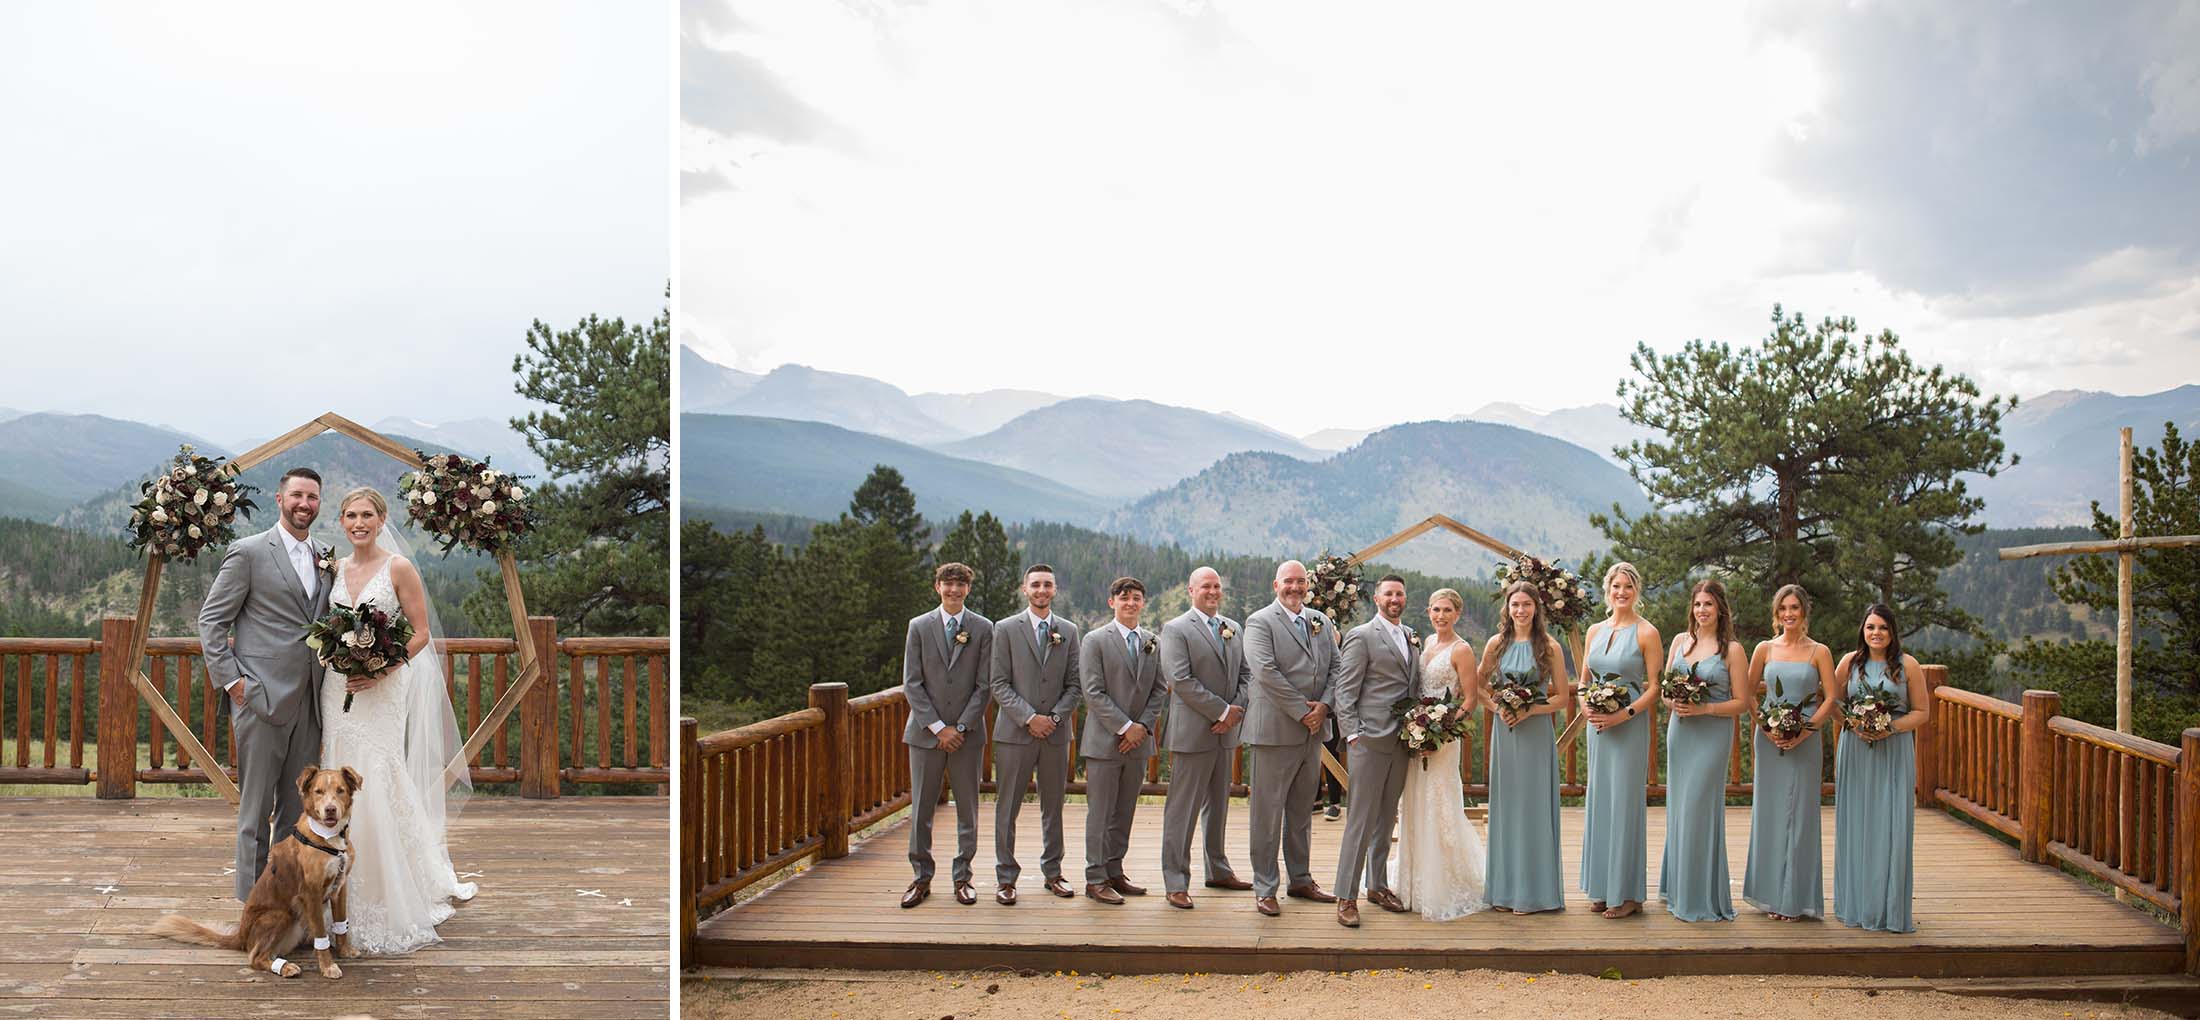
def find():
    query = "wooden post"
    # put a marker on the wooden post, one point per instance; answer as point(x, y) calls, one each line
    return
point(2036, 775)
point(834, 793)
point(2188, 865)
point(117, 710)
point(2124, 564)
point(691, 837)
point(538, 713)
point(1925, 747)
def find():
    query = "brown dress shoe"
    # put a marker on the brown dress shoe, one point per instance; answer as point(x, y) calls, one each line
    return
point(1268, 906)
point(1181, 901)
point(1348, 913)
point(1388, 900)
point(1229, 882)
point(1060, 888)
point(917, 892)
point(1006, 894)
point(965, 894)
point(1104, 894)
point(1124, 886)
point(1310, 891)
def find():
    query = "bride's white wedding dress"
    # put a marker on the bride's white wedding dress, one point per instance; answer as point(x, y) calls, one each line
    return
point(1440, 857)
point(402, 882)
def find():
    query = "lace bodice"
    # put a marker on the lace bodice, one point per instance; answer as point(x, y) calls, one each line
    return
point(1438, 676)
point(379, 589)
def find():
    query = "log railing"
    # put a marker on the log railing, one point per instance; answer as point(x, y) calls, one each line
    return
point(56, 694)
point(2113, 810)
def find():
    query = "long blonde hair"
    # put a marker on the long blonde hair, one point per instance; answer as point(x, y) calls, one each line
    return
point(1538, 636)
point(1802, 598)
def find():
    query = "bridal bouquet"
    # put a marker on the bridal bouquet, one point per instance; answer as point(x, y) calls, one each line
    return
point(1428, 723)
point(1333, 587)
point(1566, 598)
point(1684, 687)
point(189, 507)
point(1783, 719)
point(1606, 694)
point(466, 502)
point(1517, 692)
point(359, 641)
point(1872, 712)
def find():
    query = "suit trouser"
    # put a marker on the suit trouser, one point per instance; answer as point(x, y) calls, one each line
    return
point(269, 759)
point(1013, 767)
point(1199, 788)
point(928, 768)
point(1377, 766)
point(1111, 802)
point(1283, 781)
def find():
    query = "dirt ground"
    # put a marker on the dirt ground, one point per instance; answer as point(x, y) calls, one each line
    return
point(1319, 995)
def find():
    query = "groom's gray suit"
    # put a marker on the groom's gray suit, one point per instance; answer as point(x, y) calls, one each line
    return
point(1288, 669)
point(253, 625)
point(1375, 674)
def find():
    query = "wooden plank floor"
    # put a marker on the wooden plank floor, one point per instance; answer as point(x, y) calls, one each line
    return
point(81, 879)
point(1981, 912)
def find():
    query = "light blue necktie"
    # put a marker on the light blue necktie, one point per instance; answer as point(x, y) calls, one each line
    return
point(1214, 626)
point(954, 623)
point(1299, 622)
point(1130, 644)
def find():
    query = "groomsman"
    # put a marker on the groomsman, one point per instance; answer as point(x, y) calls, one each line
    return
point(1293, 657)
point(1381, 666)
point(1203, 666)
point(943, 662)
point(1120, 667)
point(1035, 681)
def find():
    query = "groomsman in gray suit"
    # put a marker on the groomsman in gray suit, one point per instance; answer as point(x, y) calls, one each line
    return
point(944, 660)
point(1035, 681)
point(1203, 667)
point(1381, 667)
point(252, 625)
point(1120, 667)
point(1293, 657)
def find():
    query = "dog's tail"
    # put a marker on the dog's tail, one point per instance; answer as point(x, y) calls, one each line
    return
point(184, 929)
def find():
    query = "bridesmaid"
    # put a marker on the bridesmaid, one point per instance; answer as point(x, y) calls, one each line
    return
point(1614, 844)
point(1692, 880)
point(1524, 874)
point(1874, 784)
point(1785, 875)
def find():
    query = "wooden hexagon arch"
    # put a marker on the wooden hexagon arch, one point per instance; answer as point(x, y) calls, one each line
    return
point(530, 664)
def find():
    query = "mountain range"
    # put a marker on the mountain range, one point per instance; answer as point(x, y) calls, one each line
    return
point(1121, 449)
point(2067, 442)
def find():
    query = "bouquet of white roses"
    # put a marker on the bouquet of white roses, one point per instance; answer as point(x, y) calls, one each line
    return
point(1333, 587)
point(1606, 694)
point(1872, 712)
point(189, 508)
point(466, 502)
point(1427, 723)
point(359, 641)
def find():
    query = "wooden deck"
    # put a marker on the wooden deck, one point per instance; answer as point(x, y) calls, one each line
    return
point(1981, 912)
point(572, 919)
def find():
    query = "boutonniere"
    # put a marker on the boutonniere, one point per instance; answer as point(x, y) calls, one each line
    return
point(1412, 638)
point(1054, 637)
point(1314, 625)
point(1148, 647)
point(1227, 633)
point(326, 563)
point(962, 637)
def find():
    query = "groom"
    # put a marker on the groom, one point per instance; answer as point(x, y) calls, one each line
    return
point(1381, 667)
point(253, 628)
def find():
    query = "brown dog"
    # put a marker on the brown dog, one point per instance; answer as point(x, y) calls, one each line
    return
point(302, 891)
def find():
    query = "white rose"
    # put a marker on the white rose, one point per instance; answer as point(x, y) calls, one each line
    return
point(199, 498)
point(488, 508)
point(428, 498)
point(221, 499)
point(518, 492)
point(162, 494)
point(488, 475)
point(351, 638)
point(193, 531)
point(481, 492)
point(160, 516)
point(190, 471)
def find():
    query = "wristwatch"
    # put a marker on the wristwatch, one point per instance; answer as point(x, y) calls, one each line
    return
point(1630, 711)
point(960, 728)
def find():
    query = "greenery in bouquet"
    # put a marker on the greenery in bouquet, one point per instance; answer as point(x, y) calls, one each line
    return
point(1517, 692)
point(188, 508)
point(466, 502)
point(1783, 719)
point(1427, 723)
point(1872, 712)
point(360, 641)
point(1333, 587)
point(1567, 599)
point(1684, 687)
point(1606, 694)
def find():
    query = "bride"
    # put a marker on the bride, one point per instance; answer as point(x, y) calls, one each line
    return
point(1440, 858)
point(399, 734)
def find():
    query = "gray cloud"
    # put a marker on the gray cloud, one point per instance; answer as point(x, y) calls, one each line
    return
point(732, 94)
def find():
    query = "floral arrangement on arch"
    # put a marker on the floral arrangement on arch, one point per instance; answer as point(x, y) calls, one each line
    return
point(1566, 597)
point(190, 507)
point(1333, 586)
point(466, 502)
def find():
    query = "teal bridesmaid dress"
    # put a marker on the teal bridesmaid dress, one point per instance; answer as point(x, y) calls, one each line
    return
point(1692, 880)
point(1523, 870)
point(1615, 852)
point(1874, 818)
point(1786, 870)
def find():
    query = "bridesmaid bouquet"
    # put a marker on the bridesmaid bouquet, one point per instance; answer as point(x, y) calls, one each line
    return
point(359, 641)
point(1782, 719)
point(1684, 687)
point(1517, 692)
point(1606, 694)
point(1872, 712)
point(1430, 723)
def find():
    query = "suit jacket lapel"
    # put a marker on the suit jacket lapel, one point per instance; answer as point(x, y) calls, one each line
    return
point(1022, 624)
point(290, 575)
point(1212, 646)
point(1305, 643)
point(934, 636)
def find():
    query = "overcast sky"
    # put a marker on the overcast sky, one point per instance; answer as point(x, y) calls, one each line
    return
point(232, 217)
point(1235, 204)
